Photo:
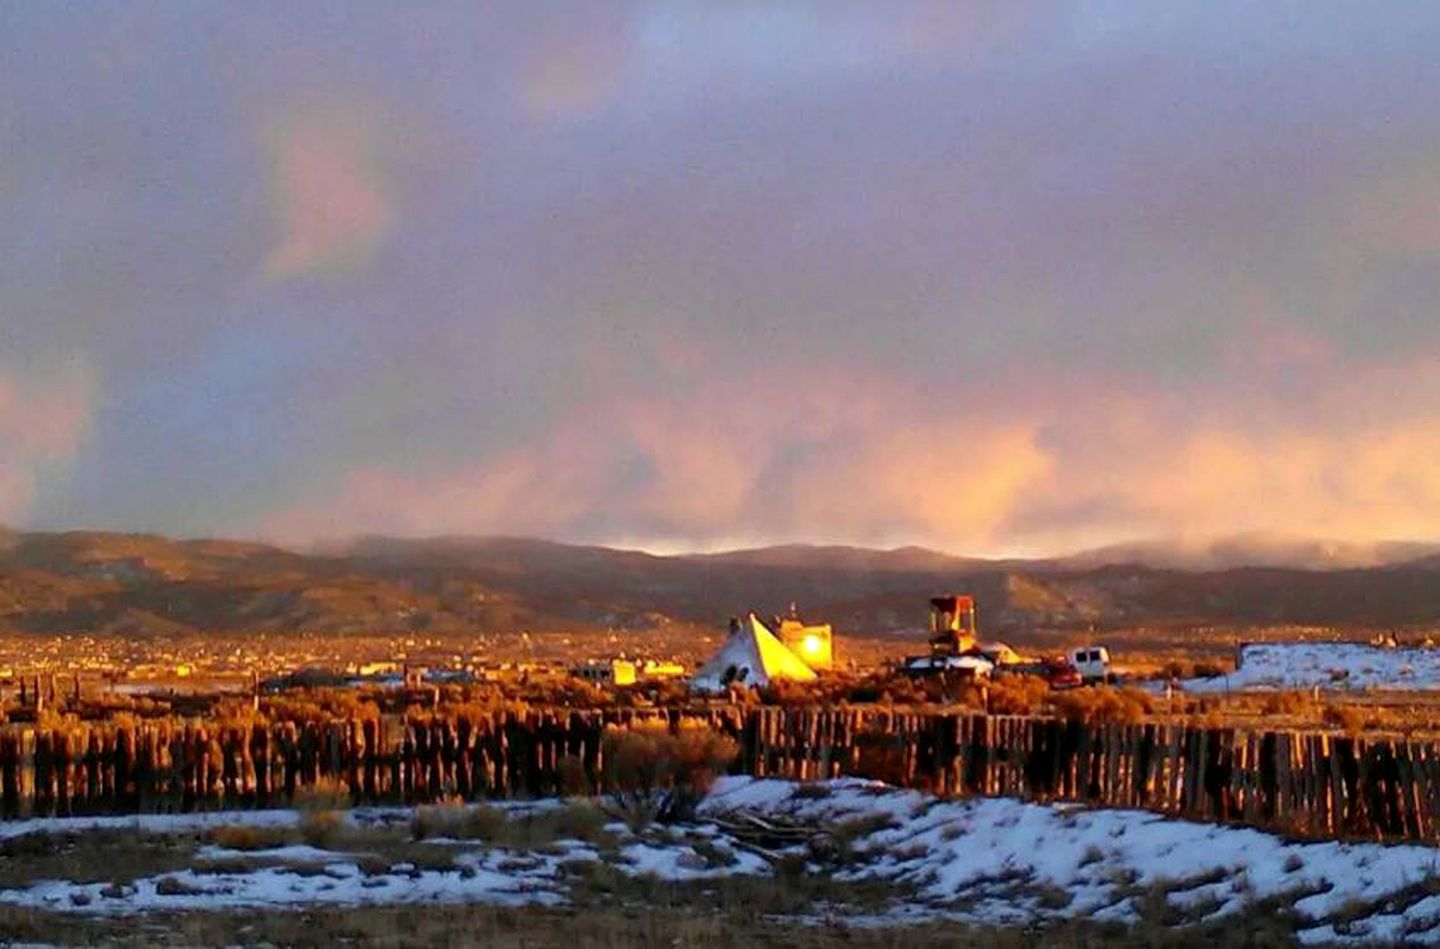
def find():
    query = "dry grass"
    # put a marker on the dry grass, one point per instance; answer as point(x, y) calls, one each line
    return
point(446, 926)
point(247, 837)
point(1018, 695)
point(93, 856)
point(576, 820)
point(323, 829)
point(1105, 705)
point(326, 794)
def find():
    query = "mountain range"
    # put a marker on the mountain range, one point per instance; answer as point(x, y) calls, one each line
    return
point(146, 585)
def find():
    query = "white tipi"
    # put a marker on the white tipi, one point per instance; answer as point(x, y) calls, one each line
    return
point(752, 656)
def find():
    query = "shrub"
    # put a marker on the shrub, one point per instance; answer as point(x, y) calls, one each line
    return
point(438, 820)
point(169, 886)
point(658, 774)
point(580, 820)
point(1052, 897)
point(1017, 695)
point(321, 829)
point(812, 792)
point(1286, 703)
point(573, 779)
point(326, 794)
point(247, 837)
point(458, 821)
point(1345, 717)
point(1105, 705)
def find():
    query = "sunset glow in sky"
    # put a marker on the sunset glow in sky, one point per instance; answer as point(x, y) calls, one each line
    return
point(988, 277)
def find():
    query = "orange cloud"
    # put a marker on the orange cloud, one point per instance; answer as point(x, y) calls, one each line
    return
point(329, 193)
point(721, 460)
point(753, 456)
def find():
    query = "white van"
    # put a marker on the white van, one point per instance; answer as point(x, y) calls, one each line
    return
point(1092, 662)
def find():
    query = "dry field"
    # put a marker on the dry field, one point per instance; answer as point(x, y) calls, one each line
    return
point(762, 862)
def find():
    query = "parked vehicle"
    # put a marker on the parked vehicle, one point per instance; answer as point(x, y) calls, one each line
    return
point(1093, 663)
point(1056, 670)
point(1061, 673)
point(976, 667)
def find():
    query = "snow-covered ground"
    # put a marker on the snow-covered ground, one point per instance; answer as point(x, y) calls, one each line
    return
point(1329, 666)
point(990, 861)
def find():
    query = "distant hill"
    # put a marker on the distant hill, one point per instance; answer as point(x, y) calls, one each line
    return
point(835, 557)
point(148, 585)
point(1253, 549)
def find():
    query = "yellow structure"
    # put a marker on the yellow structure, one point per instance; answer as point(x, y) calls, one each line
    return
point(661, 669)
point(627, 671)
point(752, 656)
point(1002, 655)
point(607, 672)
point(952, 625)
point(813, 644)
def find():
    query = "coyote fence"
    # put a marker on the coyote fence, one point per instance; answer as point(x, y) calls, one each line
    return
point(1311, 783)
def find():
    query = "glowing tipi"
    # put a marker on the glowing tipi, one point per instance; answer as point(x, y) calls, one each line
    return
point(752, 656)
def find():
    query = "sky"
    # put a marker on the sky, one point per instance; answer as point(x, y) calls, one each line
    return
point(987, 277)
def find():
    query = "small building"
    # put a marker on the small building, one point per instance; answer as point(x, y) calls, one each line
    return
point(626, 671)
point(660, 669)
point(606, 672)
point(812, 643)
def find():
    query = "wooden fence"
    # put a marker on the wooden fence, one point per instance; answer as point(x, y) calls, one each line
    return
point(1310, 783)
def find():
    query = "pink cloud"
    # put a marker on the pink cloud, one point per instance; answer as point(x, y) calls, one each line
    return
point(330, 196)
point(573, 64)
point(43, 420)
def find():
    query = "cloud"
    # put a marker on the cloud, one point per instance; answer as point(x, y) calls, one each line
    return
point(996, 274)
point(750, 453)
point(757, 457)
point(43, 420)
point(570, 75)
point(329, 193)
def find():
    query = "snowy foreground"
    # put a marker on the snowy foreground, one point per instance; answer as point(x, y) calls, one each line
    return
point(1338, 666)
point(983, 861)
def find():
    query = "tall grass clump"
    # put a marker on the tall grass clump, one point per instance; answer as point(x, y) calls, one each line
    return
point(321, 807)
point(654, 773)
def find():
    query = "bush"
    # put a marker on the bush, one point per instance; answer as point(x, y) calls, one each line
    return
point(246, 837)
point(459, 822)
point(1017, 695)
point(326, 794)
point(1104, 705)
point(1345, 717)
point(580, 820)
point(658, 774)
point(572, 777)
point(321, 829)
point(1287, 703)
point(170, 886)
point(812, 792)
